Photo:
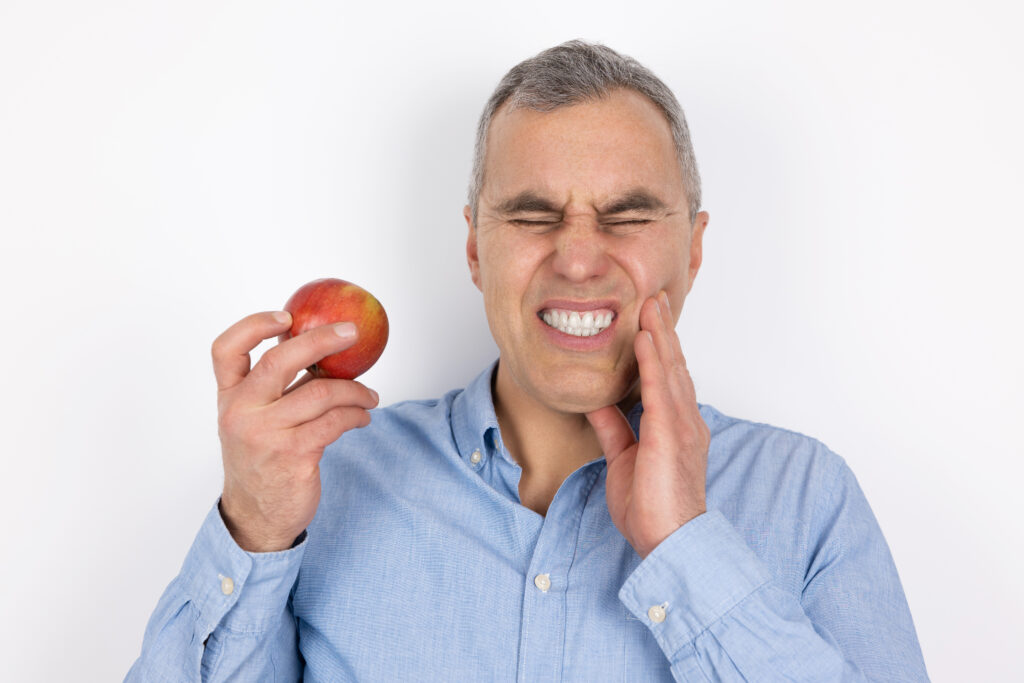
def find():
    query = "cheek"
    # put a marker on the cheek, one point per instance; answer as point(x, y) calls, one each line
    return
point(666, 270)
point(509, 263)
point(493, 273)
point(507, 267)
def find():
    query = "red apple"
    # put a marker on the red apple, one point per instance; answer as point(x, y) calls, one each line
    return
point(330, 300)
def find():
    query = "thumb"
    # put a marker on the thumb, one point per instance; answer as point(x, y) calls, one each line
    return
point(613, 431)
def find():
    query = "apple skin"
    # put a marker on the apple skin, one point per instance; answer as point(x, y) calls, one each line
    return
point(330, 300)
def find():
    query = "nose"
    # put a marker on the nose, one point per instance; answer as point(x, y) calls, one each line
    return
point(580, 249)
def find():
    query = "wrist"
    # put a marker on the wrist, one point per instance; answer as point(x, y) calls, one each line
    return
point(645, 549)
point(252, 539)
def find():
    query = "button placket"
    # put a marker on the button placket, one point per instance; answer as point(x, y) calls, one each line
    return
point(543, 629)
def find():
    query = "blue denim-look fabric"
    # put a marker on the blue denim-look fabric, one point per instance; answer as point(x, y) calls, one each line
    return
point(422, 565)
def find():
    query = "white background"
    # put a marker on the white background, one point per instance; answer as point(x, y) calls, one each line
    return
point(167, 168)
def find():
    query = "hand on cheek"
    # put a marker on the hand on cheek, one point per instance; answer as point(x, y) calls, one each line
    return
point(656, 484)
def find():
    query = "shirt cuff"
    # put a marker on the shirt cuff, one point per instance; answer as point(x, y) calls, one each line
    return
point(691, 579)
point(242, 591)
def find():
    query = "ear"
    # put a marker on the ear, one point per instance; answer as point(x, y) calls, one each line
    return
point(472, 257)
point(697, 246)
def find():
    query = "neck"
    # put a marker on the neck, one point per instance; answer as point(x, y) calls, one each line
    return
point(547, 443)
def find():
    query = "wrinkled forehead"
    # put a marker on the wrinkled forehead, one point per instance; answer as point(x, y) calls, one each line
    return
point(598, 148)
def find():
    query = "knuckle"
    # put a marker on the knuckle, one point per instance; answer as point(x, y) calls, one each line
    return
point(341, 420)
point(308, 439)
point(270, 363)
point(319, 437)
point(318, 390)
point(217, 348)
point(228, 420)
point(239, 427)
point(334, 424)
point(237, 433)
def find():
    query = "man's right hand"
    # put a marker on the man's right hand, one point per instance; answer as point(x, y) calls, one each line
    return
point(272, 435)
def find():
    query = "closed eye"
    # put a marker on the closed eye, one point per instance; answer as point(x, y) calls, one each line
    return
point(627, 227)
point(616, 228)
point(523, 221)
point(535, 227)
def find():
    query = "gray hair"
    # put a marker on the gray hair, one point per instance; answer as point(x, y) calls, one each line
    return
point(576, 72)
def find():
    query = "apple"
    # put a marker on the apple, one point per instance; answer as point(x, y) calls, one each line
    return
point(329, 300)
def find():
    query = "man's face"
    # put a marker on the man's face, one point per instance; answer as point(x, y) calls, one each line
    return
point(583, 210)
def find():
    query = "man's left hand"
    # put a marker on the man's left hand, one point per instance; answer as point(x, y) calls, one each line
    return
point(656, 485)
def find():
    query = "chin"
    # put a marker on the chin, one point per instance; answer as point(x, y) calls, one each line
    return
point(584, 397)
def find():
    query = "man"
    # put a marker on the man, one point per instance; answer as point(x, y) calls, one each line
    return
point(573, 514)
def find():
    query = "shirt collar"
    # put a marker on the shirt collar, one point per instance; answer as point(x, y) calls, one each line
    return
point(475, 422)
point(473, 415)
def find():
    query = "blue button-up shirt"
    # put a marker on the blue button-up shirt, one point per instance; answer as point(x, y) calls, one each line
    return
point(421, 564)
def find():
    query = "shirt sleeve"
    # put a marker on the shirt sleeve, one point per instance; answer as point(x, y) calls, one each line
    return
point(226, 616)
point(718, 614)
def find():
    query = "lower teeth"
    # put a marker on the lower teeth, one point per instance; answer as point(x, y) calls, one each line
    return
point(578, 332)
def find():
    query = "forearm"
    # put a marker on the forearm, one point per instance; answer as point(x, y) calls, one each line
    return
point(724, 617)
point(764, 637)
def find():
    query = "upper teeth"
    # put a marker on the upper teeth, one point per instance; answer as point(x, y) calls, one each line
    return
point(581, 325)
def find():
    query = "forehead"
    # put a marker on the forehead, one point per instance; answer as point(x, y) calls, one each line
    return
point(595, 148)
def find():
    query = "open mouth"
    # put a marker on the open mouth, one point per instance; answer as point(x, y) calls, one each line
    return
point(576, 323)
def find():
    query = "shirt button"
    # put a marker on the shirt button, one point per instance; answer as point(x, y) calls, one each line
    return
point(543, 582)
point(657, 614)
point(227, 586)
point(475, 458)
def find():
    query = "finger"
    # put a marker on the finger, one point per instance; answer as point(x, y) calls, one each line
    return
point(683, 383)
point(654, 389)
point(656, 320)
point(653, 321)
point(326, 429)
point(670, 326)
point(278, 366)
point(613, 431)
point(319, 396)
point(231, 349)
point(670, 353)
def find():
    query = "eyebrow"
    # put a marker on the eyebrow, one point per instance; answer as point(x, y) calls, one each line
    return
point(526, 202)
point(634, 200)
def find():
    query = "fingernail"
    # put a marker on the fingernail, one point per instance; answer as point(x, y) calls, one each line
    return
point(374, 394)
point(345, 330)
point(283, 317)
